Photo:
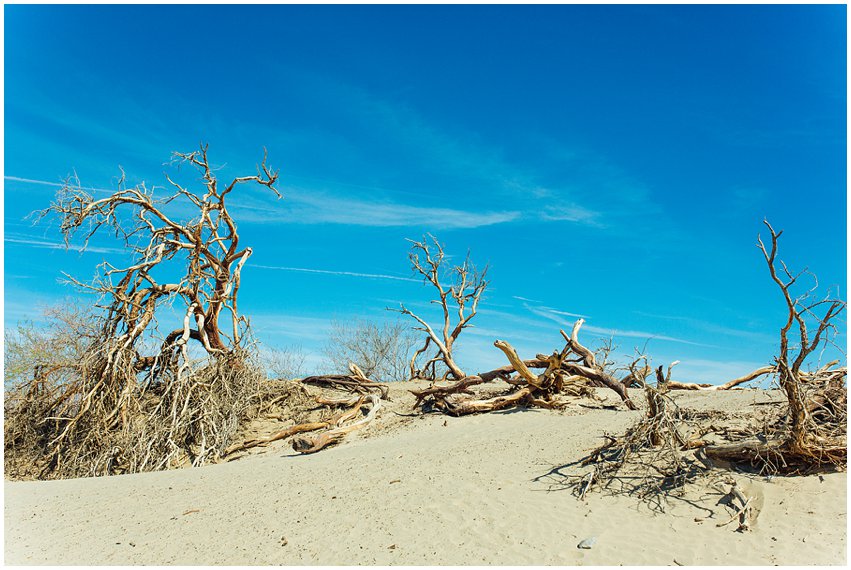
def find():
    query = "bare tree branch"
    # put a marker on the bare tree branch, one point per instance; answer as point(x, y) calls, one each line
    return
point(467, 284)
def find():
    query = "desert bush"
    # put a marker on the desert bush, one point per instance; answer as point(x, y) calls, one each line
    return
point(104, 391)
point(65, 418)
point(381, 350)
point(284, 363)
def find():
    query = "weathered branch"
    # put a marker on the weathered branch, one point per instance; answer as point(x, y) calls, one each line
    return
point(590, 369)
point(467, 285)
point(323, 440)
point(673, 385)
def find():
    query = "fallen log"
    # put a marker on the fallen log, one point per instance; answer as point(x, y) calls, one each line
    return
point(334, 402)
point(441, 392)
point(292, 430)
point(469, 406)
point(672, 385)
point(337, 420)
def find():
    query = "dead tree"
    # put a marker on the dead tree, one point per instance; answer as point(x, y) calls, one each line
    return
point(127, 409)
point(458, 299)
point(815, 430)
point(571, 371)
point(529, 389)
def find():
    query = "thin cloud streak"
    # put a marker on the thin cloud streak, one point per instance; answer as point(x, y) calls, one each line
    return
point(31, 181)
point(330, 272)
point(317, 207)
point(547, 313)
point(712, 327)
point(314, 207)
point(54, 184)
point(566, 314)
point(61, 246)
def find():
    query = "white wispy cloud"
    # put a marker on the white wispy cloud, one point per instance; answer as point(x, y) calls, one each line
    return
point(332, 272)
point(604, 331)
point(555, 316)
point(524, 299)
point(571, 213)
point(552, 314)
point(45, 244)
point(31, 181)
point(566, 314)
point(451, 158)
point(53, 184)
point(317, 208)
point(274, 327)
point(307, 206)
point(713, 328)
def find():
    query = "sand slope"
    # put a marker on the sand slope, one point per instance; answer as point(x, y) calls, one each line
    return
point(415, 491)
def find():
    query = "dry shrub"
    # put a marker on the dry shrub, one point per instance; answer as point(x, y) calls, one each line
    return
point(103, 392)
point(85, 411)
point(381, 350)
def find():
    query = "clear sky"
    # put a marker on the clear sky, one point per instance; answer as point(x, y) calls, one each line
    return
point(614, 162)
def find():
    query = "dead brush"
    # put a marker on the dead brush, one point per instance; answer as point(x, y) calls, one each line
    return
point(652, 458)
point(95, 417)
point(103, 399)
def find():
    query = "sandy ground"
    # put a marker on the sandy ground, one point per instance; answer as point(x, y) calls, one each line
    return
point(422, 490)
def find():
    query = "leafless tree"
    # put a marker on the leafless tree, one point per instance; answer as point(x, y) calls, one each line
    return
point(815, 433)
point(458, 290)
point(119, 408)
point(381, 350)
point(284, 363)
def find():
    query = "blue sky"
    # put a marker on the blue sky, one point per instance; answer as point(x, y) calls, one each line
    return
point(614, 162)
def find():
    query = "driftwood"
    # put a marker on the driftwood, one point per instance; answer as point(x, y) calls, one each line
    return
point(292, 430)
point(333, 402)
point(441, 392)
point(323, 440)
point(590, 368)
point(527, 388)
point(672, 385)
point(744, 511)
point(562, 375)
point(355, 382)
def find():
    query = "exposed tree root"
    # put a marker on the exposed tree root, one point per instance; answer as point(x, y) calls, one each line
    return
point(349, 383)
point(292, 430)
point(323, 440)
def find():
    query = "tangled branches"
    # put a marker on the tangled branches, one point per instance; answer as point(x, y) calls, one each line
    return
point(117, 404)
point(364, 395)
point(463, 294)
point(814, 434)
point(652, 458)
point(573, 370)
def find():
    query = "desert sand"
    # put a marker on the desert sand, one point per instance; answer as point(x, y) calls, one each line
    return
point(419, 489)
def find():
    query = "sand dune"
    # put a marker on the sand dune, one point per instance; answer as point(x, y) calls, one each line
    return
point(422, 490)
